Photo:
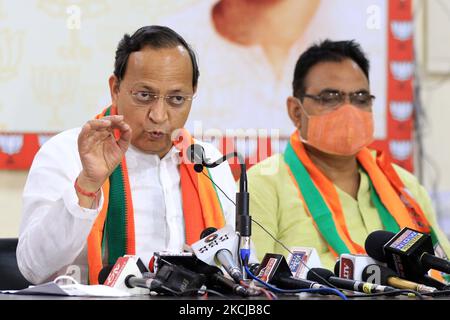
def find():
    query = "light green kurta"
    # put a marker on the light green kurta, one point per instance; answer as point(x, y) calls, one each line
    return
point(274, 203)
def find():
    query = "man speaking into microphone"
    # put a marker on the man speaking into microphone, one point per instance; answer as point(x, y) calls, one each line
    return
point(328, 190)
point(122, 184)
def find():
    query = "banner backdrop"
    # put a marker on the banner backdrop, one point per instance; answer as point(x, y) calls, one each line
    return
point(56, 57)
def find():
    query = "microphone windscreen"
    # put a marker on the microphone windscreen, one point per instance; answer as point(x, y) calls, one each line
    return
point(381, 272)
point(337, 268)
point(319, 274)
point(104, 273)
point(206, 232)
point(198, 167)
point(374, 244)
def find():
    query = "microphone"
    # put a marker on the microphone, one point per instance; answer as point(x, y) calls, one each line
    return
point(375, 273)
point(243, 219)
point(223, 282)
point(126, 274)
point(353, 268)
point(218, 246)
point(275, 270)
point(179, 280)
point(214, 276)
point(115, 276)
point(319, 274)
point(409, 252)
point(432, 282)
point(146, 283)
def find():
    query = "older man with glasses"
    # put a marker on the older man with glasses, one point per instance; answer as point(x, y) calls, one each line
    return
point(121, 184)
point(328, 190)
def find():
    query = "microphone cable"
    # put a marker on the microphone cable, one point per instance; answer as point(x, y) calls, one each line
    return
point(408, 292)
point(270, 235)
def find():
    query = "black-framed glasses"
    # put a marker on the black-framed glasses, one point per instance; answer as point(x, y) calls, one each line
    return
point(332, 98)
point(146, 98)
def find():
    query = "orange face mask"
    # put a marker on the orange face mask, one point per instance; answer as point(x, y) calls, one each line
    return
point(344, 131)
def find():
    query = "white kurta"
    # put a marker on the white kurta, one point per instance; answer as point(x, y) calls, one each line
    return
point(54, 229)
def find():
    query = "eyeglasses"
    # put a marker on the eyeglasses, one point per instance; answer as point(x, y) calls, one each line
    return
point(147, 98)
point(330, 99)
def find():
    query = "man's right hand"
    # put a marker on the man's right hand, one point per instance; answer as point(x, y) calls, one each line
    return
point(100, 153)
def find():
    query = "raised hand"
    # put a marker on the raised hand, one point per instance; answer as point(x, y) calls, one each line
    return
point(100, 152)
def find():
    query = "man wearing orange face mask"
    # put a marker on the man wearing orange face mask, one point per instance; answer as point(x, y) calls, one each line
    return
point(328, 190)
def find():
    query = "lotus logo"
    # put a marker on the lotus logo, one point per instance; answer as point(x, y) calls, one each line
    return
point(401, 110)
point(11, 144)
point(402, 70)
point(402, 30)
point(400, 149)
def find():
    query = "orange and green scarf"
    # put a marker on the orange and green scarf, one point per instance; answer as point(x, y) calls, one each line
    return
point(114, 226)
point(394, 203)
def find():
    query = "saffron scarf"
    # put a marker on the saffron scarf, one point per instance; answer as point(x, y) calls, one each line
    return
point(114, 226)
point(394, 203)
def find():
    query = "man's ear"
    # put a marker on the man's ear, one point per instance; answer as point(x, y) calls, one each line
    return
point(114, 89)
point(294, 111)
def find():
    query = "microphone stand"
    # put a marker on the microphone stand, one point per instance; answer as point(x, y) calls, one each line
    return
point(243, 218)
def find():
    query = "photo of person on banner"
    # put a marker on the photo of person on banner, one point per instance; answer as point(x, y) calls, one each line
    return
point(250, 48)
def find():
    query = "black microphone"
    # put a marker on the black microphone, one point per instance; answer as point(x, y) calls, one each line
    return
point(214, 276)
point(124, 278)
point(178, 279)
point(275, 270)
point(409, 252)
point(151, 284)
point(432, 282)
point(337, 268)
point(319, 274)
point(217, 279)
point(169, 279)
point(196, 155)
point(374, 244)
point(426, 280)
